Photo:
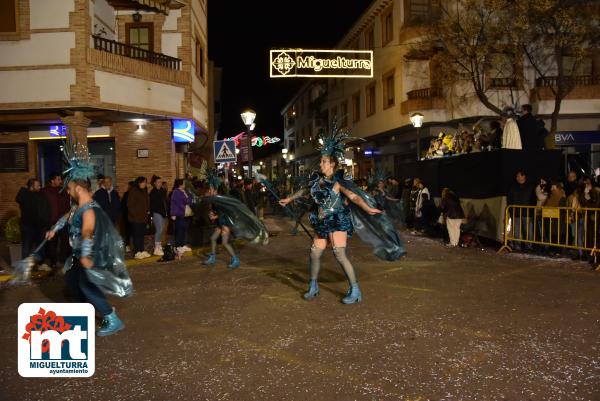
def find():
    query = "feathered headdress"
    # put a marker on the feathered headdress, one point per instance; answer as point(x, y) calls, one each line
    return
point(213, 179)
point(77, 158)
point(376, 177)
point(333, 143)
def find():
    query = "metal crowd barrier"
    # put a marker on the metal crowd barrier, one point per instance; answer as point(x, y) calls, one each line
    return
point(561, 227)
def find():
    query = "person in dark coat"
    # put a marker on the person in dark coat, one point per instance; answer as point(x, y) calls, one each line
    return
point(250, 196)
point(35, 217)
point(58, 247)
point(454, 214)
point(126, 228)
point(159, 208)
point(237, 190)
point(405, 199)
point(394, 188)
point(495, 135)
point(522, 193)
point(571, 183)
point(138, 209)
point(429, 215)
point(108, 199)
point(533, 132)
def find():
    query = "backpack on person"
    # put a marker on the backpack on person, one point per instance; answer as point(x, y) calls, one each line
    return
point(168, 253)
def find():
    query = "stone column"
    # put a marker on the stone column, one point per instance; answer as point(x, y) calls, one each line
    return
point(77, 126)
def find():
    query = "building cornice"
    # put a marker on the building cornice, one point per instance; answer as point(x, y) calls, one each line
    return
point(365, 20)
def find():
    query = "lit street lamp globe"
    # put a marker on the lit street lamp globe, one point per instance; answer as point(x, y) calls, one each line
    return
point(248, 117)
point(417, 120)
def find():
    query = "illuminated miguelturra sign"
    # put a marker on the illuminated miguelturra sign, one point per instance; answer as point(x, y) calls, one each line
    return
point(286, 63)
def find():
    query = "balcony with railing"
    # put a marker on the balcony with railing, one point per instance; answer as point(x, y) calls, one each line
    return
point(123, 58)
point(425, 93)
point(503, 82)
point(577, 80)
point(137, 53)
point(582, 87)
point(423, 99)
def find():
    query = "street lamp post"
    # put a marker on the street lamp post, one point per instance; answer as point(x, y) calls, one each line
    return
point(248, 117)
point(417, 121)
point(284, 155)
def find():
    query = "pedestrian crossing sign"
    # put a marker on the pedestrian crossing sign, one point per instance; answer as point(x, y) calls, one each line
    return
point(224, 151)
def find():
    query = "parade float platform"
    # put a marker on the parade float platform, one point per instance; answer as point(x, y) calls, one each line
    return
point(482, 181)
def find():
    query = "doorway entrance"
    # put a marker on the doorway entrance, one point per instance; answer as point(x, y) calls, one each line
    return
point(51, 159)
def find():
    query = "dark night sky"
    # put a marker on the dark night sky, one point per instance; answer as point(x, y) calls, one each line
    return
point(240, 35)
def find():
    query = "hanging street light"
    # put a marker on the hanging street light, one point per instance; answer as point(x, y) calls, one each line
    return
point(417, 121)
point(248, 117)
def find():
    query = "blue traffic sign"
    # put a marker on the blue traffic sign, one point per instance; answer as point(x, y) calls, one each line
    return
point(224, 151)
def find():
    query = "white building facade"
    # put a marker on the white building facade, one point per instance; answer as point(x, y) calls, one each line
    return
point(406, 81)
point(119, 74)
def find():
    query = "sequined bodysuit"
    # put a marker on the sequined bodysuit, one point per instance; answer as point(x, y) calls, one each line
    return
point(333, 213)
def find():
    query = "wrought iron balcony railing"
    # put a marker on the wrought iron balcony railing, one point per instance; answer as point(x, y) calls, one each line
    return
point(425, 93)
point(576, 80)
point(510, 82)
point(126, 50)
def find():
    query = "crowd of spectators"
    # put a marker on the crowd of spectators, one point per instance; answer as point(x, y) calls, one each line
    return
point(574, 226)
point(166, 214)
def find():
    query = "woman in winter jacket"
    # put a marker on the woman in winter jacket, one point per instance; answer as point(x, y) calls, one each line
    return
point(179, 200)
point(138, 208)
point(159, 207)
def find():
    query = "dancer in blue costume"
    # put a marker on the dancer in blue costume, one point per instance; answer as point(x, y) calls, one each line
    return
point(385, 202)
point(232, 218)
point(223, 228)
point(97, 266)
point(334, 216)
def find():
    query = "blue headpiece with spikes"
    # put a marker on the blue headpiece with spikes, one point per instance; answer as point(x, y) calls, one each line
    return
point(377, 176)
point(333, 143)
point(77, 158)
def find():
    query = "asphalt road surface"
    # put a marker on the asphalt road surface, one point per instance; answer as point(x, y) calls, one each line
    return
point(441, 324)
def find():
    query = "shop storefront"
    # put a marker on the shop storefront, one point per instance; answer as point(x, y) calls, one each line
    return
point(48, 143)
point(125, 150)
point(582, 150)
